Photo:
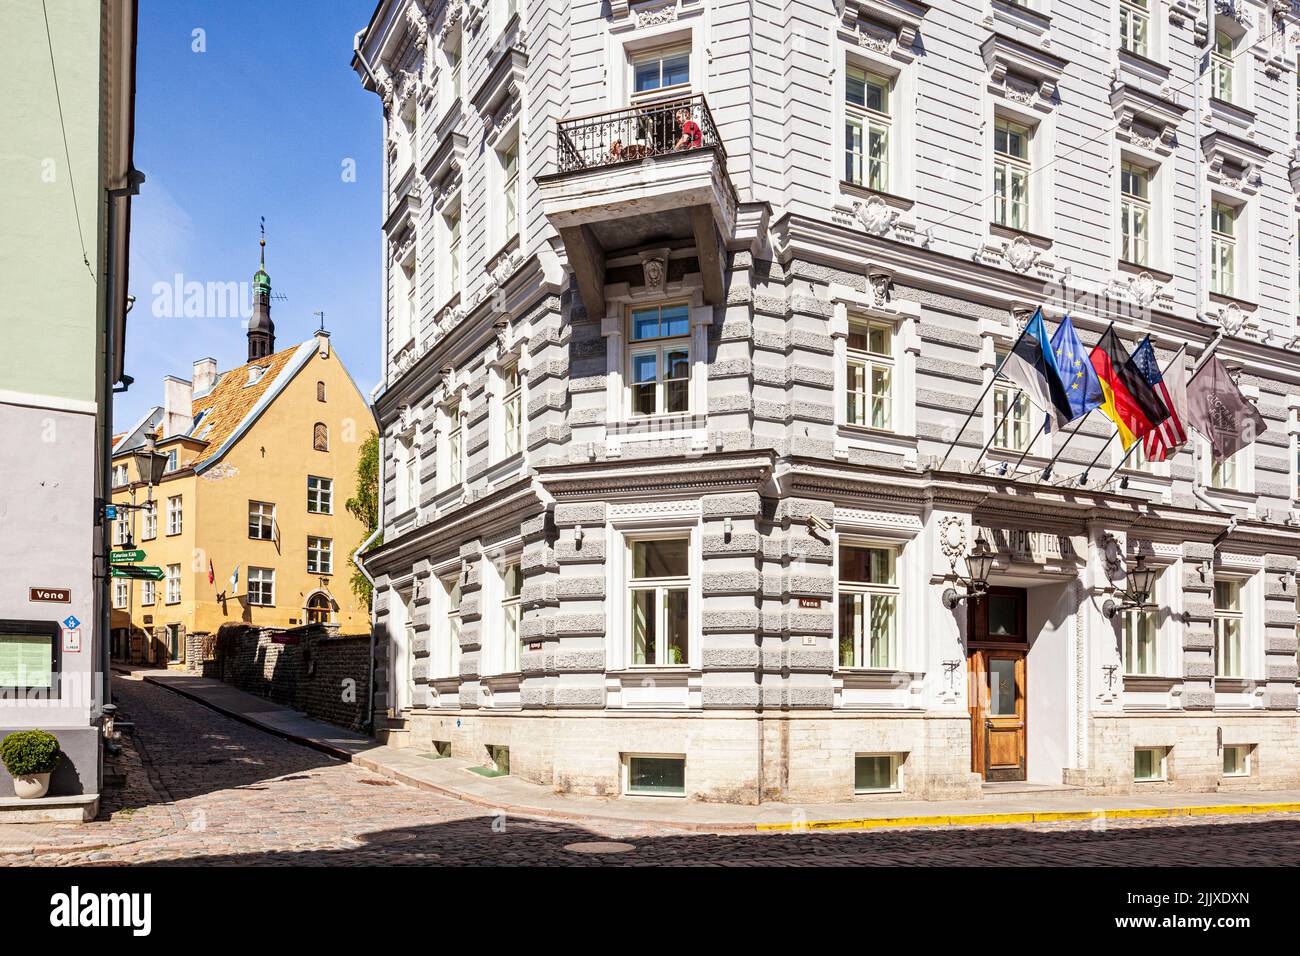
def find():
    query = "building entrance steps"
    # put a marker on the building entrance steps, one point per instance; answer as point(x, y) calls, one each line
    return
point(1011, 804)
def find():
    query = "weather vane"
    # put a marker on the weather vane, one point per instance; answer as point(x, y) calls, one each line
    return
point(321, 315)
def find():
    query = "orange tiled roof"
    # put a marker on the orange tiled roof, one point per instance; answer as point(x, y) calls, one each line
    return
point(231, 400)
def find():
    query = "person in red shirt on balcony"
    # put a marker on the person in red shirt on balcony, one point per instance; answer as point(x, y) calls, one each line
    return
point(689, 136)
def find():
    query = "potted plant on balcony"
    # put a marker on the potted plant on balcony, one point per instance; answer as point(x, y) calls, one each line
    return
point(30, 756)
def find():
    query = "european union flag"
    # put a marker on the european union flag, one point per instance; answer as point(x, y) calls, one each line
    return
point(1082, 387)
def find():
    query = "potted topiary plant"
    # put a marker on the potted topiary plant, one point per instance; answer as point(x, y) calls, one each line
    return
point(30, 756)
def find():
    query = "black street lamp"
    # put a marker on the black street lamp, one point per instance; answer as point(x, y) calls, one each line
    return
point(1138, 583)
point(150, 463)
point(978, 565)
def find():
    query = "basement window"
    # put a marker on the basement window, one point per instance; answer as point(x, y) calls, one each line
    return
point(1236, 760)
point(1149, 764)
point(655, 776)
point(442, 748)
point(498, 764)
point(876, 773)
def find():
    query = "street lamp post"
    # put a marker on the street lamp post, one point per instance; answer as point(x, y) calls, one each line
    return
point(1137, 589)
point(978, 565)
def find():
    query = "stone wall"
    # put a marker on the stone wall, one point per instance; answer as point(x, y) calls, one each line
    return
point(320, 674)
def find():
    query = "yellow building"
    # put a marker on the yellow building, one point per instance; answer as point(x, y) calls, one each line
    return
point(248, 523)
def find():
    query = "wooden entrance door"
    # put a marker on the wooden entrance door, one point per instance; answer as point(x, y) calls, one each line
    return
point(997, 646)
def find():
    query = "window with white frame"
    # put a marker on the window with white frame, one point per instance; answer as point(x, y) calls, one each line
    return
point(121, 592)
point(261, 520)
point(173, 584)
point(1141, 628)
point(1226, 473)
point(868, 606)
point(1222, 85)
point(171, 461)
point(1223, 249)
point(655, 775)
point(452, 248)
point(320, 495)
point(1149, 764)
point(455, 86)
point(122, 528)
point(408, 475)
point(404, 305)
point(512, 405)
point(149, 522)
point(512, 581)
point(1228, 623)
point(447, 658)
point(320, 555)
point(1135, 213)
point(661, 74)
point(659, 598)
point(869, 393)
point(148, 593)
point(455, 446)
point(866, 128)
point(174, 515)
point(1011, 173)
point(404, 139)
point(1135, 26)
point(508, 157)
point(659, 359)
point(1012, 414)
point(876, 773)
point(261, 587)
point(1236, 760)
point(119, 474)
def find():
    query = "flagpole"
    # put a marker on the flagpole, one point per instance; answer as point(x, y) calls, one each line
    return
point(1047, 472)
point(979, 401)
point(994, 434)
point(1030, 444)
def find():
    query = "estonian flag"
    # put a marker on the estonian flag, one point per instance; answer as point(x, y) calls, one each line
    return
point(1082, 386)
point(1032, 366)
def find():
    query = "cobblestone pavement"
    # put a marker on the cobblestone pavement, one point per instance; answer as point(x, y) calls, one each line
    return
point(200, 788)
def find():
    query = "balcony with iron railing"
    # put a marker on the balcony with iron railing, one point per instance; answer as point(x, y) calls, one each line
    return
point(637, 176)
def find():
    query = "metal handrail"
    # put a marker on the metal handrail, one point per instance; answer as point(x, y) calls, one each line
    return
point(637, 133)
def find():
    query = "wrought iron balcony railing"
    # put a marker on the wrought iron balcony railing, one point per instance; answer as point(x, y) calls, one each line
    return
point(637, 133)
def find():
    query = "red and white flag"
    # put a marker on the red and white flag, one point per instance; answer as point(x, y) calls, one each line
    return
point(1171, 434)
point(211, 576)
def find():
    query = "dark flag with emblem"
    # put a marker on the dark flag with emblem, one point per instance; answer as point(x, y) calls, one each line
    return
point(1082, 387)
point(1032, 366)
point(1219, 411)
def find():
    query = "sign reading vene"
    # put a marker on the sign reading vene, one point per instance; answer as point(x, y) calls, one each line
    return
point(50, 595)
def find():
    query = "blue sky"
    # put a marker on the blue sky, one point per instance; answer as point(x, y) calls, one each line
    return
point(261, 123)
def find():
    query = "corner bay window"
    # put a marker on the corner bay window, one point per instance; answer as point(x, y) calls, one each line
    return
point(869, 394)
point(1228, 620)
point(868, 605)
point(1011, 173)
point(659, 586)
point(659, 359)
point(866, 129)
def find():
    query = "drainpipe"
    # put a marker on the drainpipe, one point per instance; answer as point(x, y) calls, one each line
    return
point(365, 573)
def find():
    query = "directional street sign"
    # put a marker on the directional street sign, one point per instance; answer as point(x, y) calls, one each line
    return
point(125, 557)
point(137, 572)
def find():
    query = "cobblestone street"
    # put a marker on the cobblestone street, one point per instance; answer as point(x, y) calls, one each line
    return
point(200, 788)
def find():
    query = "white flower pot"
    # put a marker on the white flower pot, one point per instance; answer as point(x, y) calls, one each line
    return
point(33, 787)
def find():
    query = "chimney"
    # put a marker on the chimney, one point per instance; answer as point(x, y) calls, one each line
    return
point(323, 343)
point(178, 406)
point(205, 374)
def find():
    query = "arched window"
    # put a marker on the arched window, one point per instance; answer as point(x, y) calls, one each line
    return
point(320, 437)
point(320, 391)
point(318, 609)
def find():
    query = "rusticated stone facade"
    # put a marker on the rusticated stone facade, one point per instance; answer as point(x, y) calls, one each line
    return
point(591, 352)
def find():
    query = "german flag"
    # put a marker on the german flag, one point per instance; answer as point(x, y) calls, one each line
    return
point(1130, 402)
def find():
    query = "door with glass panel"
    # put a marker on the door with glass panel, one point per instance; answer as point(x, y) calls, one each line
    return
point(997, 647)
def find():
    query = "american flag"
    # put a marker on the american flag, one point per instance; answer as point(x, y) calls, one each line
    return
point(1171, 385)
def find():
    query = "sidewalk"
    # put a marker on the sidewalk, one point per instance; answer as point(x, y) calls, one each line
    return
point(452, 777)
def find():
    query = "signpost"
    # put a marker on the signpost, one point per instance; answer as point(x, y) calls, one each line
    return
point(137, 572)
point(125, 557)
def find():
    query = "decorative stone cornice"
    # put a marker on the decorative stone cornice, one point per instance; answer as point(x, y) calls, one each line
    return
point(887, 27)
point(1021, 73)
point(642, 479)
point(1234, 163)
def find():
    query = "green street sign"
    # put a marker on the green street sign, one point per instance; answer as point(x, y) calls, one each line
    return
point(125, 557)
point(137, 572)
